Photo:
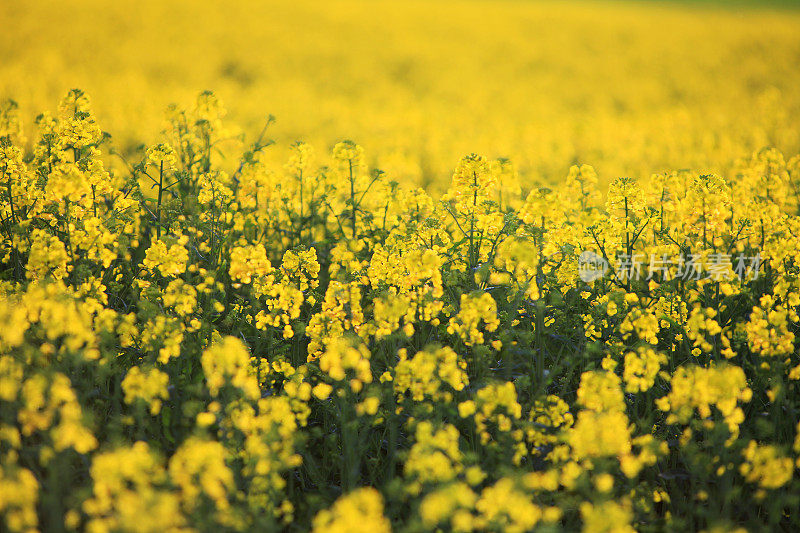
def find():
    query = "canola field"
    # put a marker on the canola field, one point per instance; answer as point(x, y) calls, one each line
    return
point(631, 88)
point(493, 266)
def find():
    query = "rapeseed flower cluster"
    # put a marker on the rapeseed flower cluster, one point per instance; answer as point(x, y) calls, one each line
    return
point(200, 341)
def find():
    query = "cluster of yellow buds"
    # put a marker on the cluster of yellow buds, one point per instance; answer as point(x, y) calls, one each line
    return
point(227, 362)
point(766, 466)
point(768, 330)
point(427, 371)
point(434, 458)
point(701, 388)
point(641, 368)
point(341, 359)
point(359, 510)
point(475, 308)
point(168, 256)
point(149, 385)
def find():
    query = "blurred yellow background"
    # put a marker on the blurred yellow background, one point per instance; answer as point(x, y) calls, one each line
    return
point(631, 88)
